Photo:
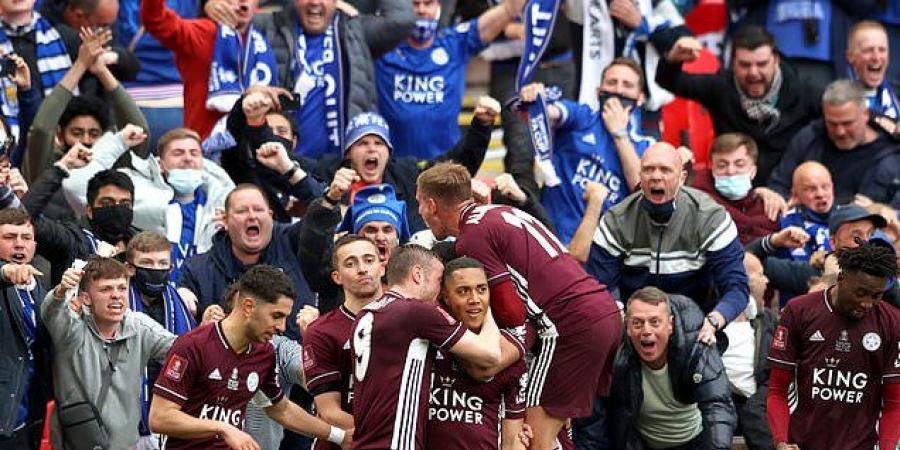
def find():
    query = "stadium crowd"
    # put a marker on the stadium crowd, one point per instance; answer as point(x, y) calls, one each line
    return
point(264, 224)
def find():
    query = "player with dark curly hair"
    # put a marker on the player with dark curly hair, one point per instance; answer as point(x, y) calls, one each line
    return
point(841, 347)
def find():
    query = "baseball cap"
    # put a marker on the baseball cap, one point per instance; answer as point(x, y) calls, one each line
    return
point(852, 213)
point(377, 202)
point(365, 124)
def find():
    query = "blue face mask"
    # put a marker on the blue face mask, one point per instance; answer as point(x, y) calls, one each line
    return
point(184, 181)
point(734, 187)
point(425, 30)
point(659, 212)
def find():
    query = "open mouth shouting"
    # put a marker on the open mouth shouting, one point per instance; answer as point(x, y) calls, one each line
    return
point(19, 258)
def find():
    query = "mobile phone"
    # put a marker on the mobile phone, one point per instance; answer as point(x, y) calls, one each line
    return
point(289, 104)
point(7, 67)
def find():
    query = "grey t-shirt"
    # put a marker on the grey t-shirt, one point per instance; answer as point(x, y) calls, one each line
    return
point(664, 422)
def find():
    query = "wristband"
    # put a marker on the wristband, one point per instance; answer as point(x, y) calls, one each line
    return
point(336, 435)
point(619, 133)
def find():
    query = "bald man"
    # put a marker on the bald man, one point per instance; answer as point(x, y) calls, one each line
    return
point(804, 229)
point(673, 237)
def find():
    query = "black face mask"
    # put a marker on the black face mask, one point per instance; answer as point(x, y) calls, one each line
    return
point(625, 101)
point(151, 282)
point(659, 213)
point(111, 223)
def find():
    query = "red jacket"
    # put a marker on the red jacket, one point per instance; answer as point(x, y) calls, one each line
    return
point(191, 40)
point(748, 213)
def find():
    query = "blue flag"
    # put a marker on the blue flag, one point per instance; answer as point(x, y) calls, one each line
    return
point(540, 17)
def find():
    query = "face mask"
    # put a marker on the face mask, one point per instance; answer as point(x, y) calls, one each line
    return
point(184, 181)
point(626, 102)
point(425, 30)
point(734, 187)
point(659, 213)
point(111, 223)
point(151, 282)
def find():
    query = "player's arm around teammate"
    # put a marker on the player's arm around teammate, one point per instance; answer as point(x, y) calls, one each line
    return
point(481, 350)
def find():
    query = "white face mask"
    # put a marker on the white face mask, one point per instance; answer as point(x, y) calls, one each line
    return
point(184, 181)
point(734, 187)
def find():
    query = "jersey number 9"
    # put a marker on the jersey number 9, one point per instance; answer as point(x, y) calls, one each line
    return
point(362, 346)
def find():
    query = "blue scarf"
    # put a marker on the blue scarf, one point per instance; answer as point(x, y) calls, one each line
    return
point(331, 73)
point(882, 100)
point(52, 57)
point(178, 320)
point(540, 16)
point(182, 250)
point(237, 65)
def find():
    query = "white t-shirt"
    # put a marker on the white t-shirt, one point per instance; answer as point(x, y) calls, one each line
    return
point(739, 357)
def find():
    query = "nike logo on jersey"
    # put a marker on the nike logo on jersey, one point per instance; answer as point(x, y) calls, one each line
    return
point(817, 337)
point(215, 375)
point(590, 139)
point(347, 345)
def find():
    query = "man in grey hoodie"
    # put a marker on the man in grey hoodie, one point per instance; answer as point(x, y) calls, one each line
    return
point(102, 335)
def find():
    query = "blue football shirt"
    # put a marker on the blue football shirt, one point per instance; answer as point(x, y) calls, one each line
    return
point(420, 90)
point(584, 151)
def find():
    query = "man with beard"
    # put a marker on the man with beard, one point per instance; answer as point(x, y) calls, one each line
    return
point(24, 342)
point(327, 361)
point(601, 146)
point(105, 228)
point(200, 399)
point(759, 96)
point(840, 347)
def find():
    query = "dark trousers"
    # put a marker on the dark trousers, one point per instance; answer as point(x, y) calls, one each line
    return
point(28, 438)
point(592, 433)
point(752, 422)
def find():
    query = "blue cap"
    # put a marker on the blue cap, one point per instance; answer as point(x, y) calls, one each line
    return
point(842, 214)
point(364, 124)
point(377, 202)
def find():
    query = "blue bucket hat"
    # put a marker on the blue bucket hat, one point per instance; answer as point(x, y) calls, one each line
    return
point(377, 202)
point(364, 124)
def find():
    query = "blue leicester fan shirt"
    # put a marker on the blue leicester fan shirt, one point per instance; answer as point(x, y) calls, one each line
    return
point(584, 151)
point(420, 90)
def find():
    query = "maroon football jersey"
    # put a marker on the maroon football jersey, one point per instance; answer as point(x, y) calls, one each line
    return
point(839, 365)
point(512, 244)
point(464, 413)
point(393, 349)
point(327, 361)
point(211, 381)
